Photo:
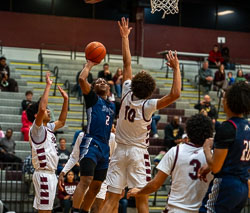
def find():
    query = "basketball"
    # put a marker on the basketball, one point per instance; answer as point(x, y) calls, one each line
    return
point(95, 52)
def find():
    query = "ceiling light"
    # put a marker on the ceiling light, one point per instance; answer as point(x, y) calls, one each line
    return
point(226, 12)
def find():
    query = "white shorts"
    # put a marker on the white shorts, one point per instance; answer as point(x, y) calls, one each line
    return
point(102, 193)
point(45, 183)
point(129, 166)
point(174, 209)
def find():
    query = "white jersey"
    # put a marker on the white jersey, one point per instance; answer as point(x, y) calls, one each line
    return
point(135, 116)
point(182, 162)
point(44, 147)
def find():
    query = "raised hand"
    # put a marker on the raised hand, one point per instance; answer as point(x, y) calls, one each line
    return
point(124, 28)
point(48, 80)
point(173, 61)
point(63, 93)
point(90, 64)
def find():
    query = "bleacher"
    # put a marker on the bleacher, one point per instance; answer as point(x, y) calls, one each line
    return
point(27, 74)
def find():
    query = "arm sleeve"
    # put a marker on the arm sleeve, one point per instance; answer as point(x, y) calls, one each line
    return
point(167, 162)
point(126, 87)
point(37, 132)
point(149, 108)
point(224, 136)
point(74, 156)
point(90, 99)
point(61, 195)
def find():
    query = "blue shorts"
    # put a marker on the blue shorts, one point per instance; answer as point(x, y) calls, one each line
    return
point(225, 195)
point(96, 151)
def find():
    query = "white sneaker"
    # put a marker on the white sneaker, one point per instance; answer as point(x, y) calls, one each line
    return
point(156, 136)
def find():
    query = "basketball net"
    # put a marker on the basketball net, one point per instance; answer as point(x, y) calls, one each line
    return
point(168, 6)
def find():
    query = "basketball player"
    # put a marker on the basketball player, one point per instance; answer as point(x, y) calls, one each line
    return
point(182, 162)
point(44, 148)
point(130, 163)
point(74, 158)
point(94, 148)
point(229, 161)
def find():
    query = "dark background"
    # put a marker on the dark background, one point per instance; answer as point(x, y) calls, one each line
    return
point(193, 13)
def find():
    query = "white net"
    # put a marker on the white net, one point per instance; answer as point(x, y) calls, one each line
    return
point(168, 6)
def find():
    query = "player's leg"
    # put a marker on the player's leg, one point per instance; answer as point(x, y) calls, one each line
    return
point(139, 174)
point(112, 202)
point(87, 169)
point(97, 205)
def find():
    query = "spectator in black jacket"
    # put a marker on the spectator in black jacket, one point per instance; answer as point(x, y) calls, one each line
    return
point(206, 105)
point(173, 133)
point(6, 83)
point(25, 103)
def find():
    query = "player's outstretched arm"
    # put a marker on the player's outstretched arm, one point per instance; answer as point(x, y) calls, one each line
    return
point(151, 187)
point(175, 92)
point(62, 118)
point(84, 84)
point(125, 31)
point(44, 101)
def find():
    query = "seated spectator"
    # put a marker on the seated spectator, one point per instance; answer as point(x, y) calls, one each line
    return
point(220, 79)
point(7, 148)
point(158, 157)
point(106, 74)
point(206, 78)
point(63, 154)
point(240, 76)
point(66, 194)
point(77, 87)
point(173, 133)
point(227, 62)
point(215, 58)
point(205, 105)
point(28, 171)
point(2, 135)
point(28, 100)
point(230, 78)
point(26, 124)
point(155, 120)
point(118, 82)
point(7, 84)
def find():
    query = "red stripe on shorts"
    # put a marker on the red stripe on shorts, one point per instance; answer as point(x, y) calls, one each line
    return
point(42, 164)
point(148, 179)
point(44, 194)
point(38, 151)
point(43, 179)
point(147, 163)
point(146, 156)
point(44, 201)
point(42, 157)
point(44, 186)
point(148, 171)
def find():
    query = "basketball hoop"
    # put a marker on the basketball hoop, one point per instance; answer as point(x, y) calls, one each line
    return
point(168, 6)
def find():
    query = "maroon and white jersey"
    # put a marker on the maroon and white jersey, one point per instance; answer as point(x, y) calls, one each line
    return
point(135, 116)
point(182, 162)
point(44, 147)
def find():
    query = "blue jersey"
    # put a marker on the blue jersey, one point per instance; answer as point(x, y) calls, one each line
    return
point(100, 115)
point(234, 135)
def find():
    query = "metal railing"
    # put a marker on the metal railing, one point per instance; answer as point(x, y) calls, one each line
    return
point(1, 47)
point(55, 72)
point(50, 47)
point(68, 88)
point(15, 188)
point(220, 94)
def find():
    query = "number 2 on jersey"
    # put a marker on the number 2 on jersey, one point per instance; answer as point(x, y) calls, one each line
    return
point(107, 120)
point(246, 152)
point(196, 166)
point(129, 114)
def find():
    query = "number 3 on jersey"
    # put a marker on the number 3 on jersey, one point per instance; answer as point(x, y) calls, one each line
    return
point(246, 152)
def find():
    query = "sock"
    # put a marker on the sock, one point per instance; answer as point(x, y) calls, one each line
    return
point(74, 210)
point(82, 211)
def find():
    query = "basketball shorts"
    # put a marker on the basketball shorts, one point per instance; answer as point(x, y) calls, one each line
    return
point(45, 183)
point(174, 209)
point(95, 150)
point(102, 193)
point(129, 166)
point(227, 194)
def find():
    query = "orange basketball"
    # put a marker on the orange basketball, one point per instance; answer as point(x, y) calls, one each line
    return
point(95, 52)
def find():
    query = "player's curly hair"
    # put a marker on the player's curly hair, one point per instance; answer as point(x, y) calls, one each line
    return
point(31, 110)
point(199, 127)
point(238, 98)
point(143, 85)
